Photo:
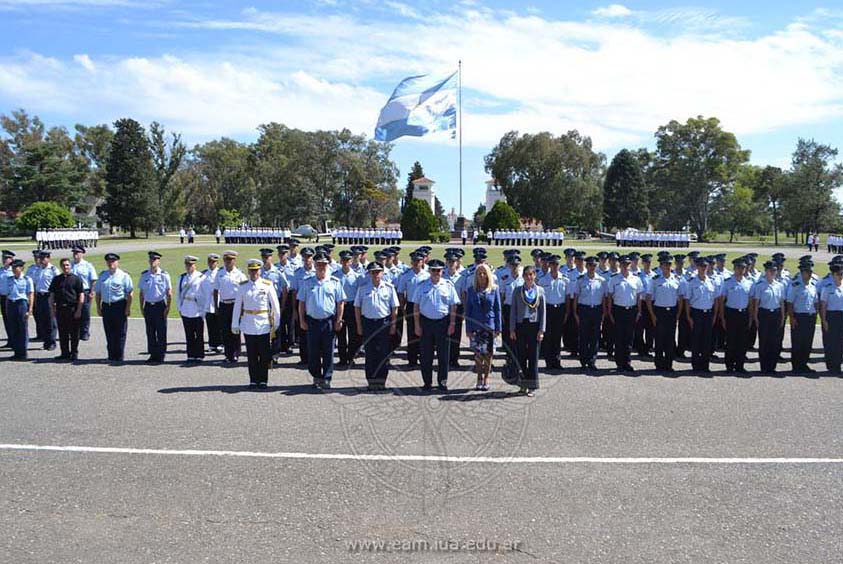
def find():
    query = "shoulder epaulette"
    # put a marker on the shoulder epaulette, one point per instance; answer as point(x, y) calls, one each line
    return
point(144, 271)
point(244, 282)
point(265, 281)
point(165, 272)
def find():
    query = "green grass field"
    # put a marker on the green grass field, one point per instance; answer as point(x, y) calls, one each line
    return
point(135, 261)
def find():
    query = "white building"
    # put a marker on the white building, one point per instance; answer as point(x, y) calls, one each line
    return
point(493, 194)
point(423, 190)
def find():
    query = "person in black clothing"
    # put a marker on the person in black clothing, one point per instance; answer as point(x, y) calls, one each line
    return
point(67, 297)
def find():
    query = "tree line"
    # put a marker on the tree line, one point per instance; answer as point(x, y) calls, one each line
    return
point(698, 177)
point(143, 180)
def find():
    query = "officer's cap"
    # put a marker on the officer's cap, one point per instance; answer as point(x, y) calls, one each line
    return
point(739, 262)
point(379, 255)
point(624, 259)
point(154, 255)
point(435, 264)
point(838, 259)
point(294, 242)
point(661, 253)
point(806, 258)
point(545, 256)
point(536, 252)
point(308, 252)
point(389, 253)
point(230, 254)
point(111, 256)
point(634, 255)
point(356, 250)
point(769, 265)
point(17, 263)
point(752, 256)
point(8, 254)
point(374, 267)
point(679, 257)
point(614, 256)
point(579, 255)
point(478, 250)
point(416, 255)
point(591, 260)
point(554, 259)
point(45, 254)
point(513, 260)
point(282, 248)
point(328, 247)
point(569, 252)
point(647, 257)
point(510, 252)
point(720, 257)
point(806, 265)
point(319, 248)
point(363, 248)
point(396, 249)
point(602, 255)
point(778, 255)
point(345, 255)
point(428, 248)
point(190, 259)
point(450, 257)
point(36, 252)
point(480, 256)
point(693, 254)
point(78, 249)
point(213, 256)
point(321, 258)
point(266, 252)
point(665, 259)
point(253, 264)
point(836, 268)
point(700, 261)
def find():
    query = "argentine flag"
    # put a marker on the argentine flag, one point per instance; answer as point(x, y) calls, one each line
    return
point(419, 105)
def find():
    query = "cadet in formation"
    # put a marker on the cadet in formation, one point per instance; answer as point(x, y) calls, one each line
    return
point(435, 313)
point(192, 295)
point(257, 314)
point(88, 274)
point(225, 294)
point(20, 300)
point(156, 294)
point(6, 272)
point(115, 292)
point(321, 300)
point(664, 308)
point(376, 319)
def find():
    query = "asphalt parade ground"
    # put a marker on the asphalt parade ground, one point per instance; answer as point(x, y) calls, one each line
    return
point(171, 463)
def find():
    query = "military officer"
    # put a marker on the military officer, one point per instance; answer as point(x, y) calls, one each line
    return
point(664, 308)
point(114, 294)
point(303, 272)
point(225, 294)
point(735, 318)
point(86, 271)
point(212, 318)
point(376, 319)
point(321, 304)
point(510, 280)
point(831, 313)
point(623, 307)
point(454, 272)
point(435, 315)
point(284, 340)
point(700, 313)
point(589, 291)
point(191, 298)
point(645, 328)
point(348, 342)
point(156, 295)
point(5, 272)
point(406, 285)
point(20, 300)
point(557, 288)
point(802, 300)
point(45, 321)
point(768, 313)
point(257, 314)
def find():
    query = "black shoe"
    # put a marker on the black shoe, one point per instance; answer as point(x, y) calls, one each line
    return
point(427, 388)
point(74, 357)
point(326, 385)
point(50, 348)
point(63, 356)
point(443, 387)
point(341, 366)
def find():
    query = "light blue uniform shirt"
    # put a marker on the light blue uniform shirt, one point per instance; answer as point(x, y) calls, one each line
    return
point(154, 285)
point(85, 271)
point(32, 271)
point(275, 276)
point(624, 290)
point(5, 272)
point(350, 283)
point(376, 303)
point(434, 301)
point(114, 287)
point(19, 288)
point(409, 281)
point(769, 296)
point(590, 291)
point(44, 277)
point(508, 290)
point(736, 294)
point(299, 276)
point(803, 297)
point(555, 289)
point(832, 296)
point(665, 292)
point(320, 297)
point(701, 293)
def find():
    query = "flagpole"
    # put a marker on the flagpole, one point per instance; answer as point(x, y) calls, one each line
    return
point(459, 97)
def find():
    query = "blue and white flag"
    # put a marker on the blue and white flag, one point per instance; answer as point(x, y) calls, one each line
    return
point(419, 105)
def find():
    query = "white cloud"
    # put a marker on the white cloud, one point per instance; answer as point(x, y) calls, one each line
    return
point(613, 11)
point(614, 81)
point(403, 9)
point(85, 61)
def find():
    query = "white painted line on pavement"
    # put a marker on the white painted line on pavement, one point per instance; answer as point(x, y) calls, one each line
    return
point(425, 458)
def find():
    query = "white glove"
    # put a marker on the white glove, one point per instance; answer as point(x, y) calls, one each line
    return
point(235, 330)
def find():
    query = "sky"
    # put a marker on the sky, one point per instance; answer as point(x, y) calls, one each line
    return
point(772, 72)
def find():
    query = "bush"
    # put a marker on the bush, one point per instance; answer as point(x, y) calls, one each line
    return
point(228, 218)
point(501, 216)
point(440, 237)
point(418, 221)
point(44, 215)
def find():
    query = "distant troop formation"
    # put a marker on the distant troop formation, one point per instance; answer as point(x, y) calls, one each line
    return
point(55, 239)
point(255, 235)
point(664, 239)
point(363, 236)
point(541, 307)
point(526, 238)
point(834, 243)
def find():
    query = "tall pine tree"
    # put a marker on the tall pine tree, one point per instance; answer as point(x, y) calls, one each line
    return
point(416, 173)
point(625, 193)
point(130, 179)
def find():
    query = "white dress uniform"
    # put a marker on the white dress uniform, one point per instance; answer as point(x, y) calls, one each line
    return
point(192, 301)
point(257, 314)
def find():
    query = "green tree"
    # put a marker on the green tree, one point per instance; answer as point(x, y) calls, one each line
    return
point(94, 143)
point(166, 160)
point(693, 163)
point(228, 218)
point(441, 218)
point(44, 215)
point(130, 179)
point(736, 208)
point(809, 204)
point(218, 175)
point(415, 173)
point(771, 187)
point(479, 215)
point(417, 221)
point(625, 202)
point(557, 180)
point(501, 216)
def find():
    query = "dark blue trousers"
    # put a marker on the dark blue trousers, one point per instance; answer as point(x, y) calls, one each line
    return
point(5, 316)
point(156, 330)
point(114, 323)
point(17, 326)
point(833, 343)
point(665, 342)
point(802, 340)
point(377, 341)
point(435, 336)
point(45, 323)
point(320, 348)
point(85, 319)
point(589, 333)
